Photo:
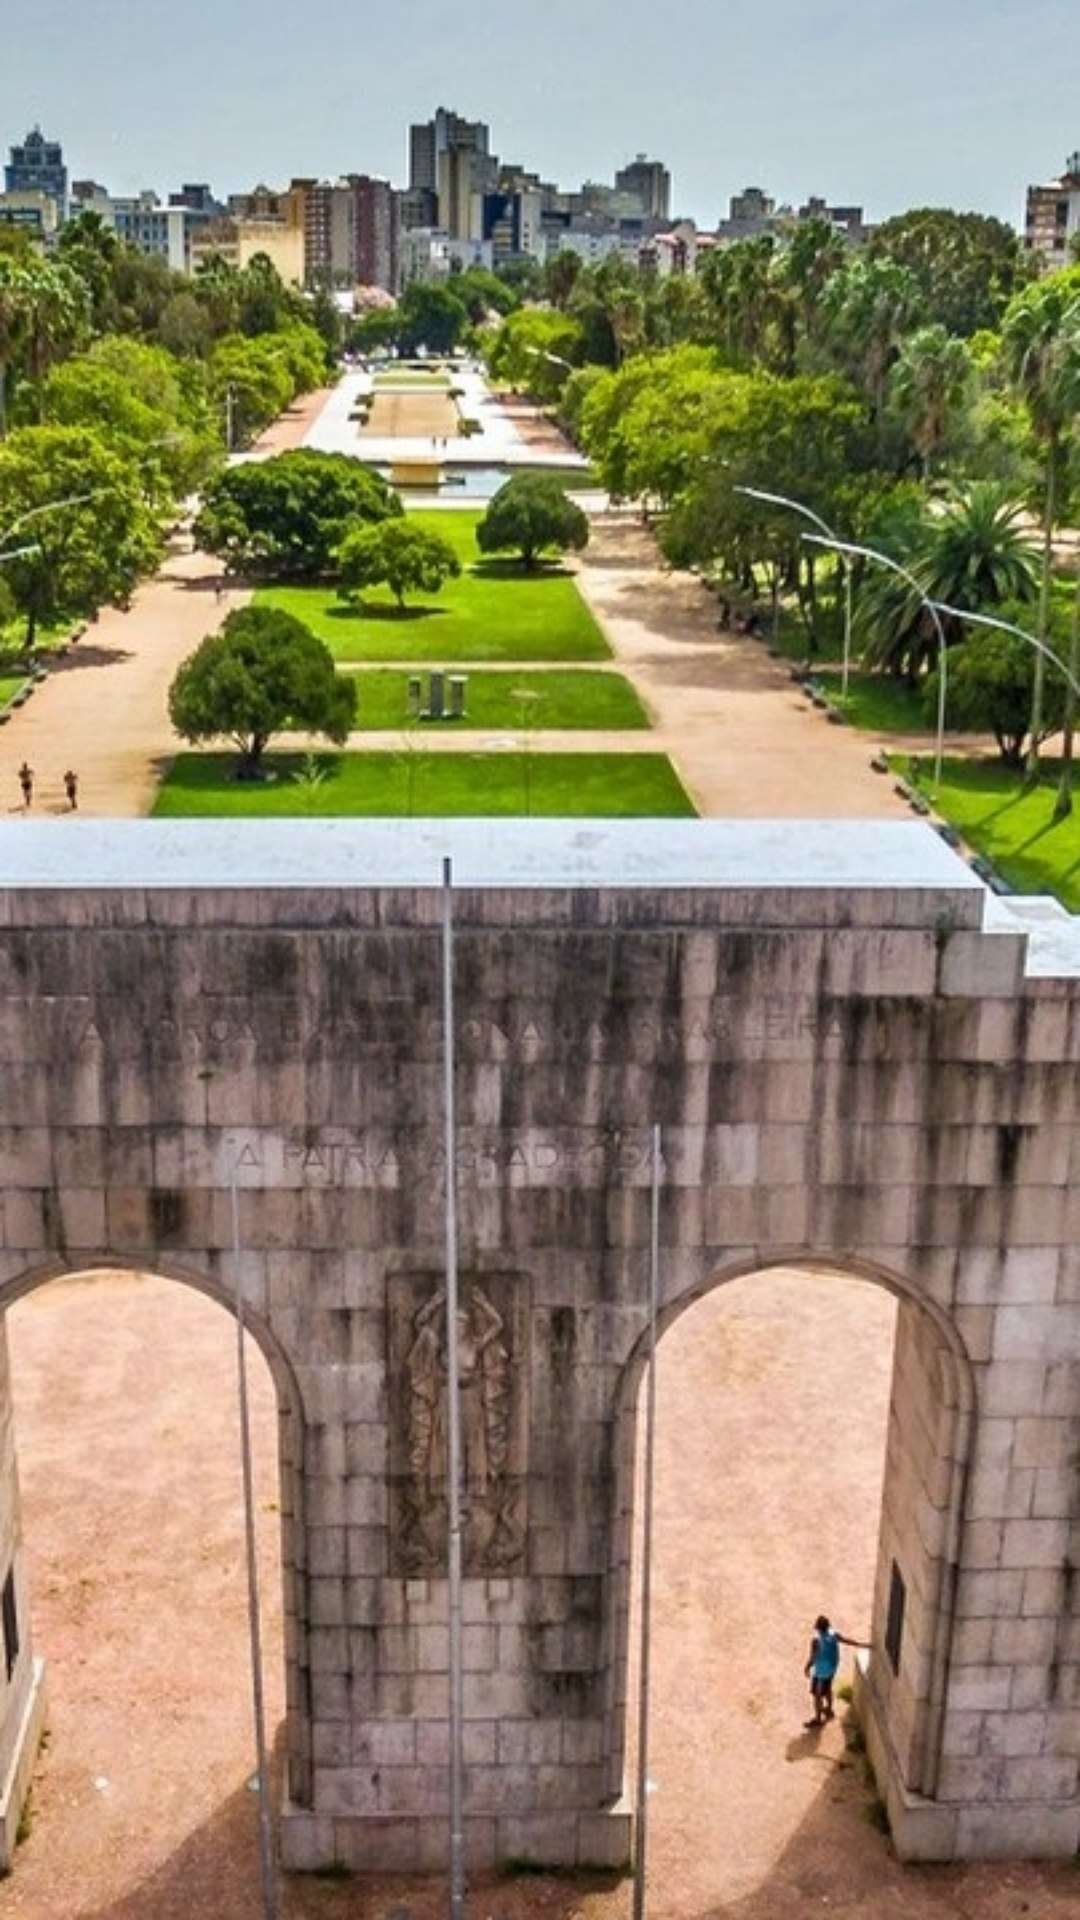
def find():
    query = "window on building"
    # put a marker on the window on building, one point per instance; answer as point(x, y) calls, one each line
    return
point(894, 1630)
point(10, 1619)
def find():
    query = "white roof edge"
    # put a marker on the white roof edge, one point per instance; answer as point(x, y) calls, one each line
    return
point(89, 854)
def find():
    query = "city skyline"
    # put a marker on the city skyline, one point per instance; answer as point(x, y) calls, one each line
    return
point(882, 121)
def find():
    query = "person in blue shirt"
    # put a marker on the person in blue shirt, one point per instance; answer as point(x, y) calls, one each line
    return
point(822, 1666)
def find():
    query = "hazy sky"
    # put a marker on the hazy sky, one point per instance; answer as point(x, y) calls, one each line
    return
point(893, 103)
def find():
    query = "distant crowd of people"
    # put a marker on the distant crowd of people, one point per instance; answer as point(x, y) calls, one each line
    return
point(26, 787)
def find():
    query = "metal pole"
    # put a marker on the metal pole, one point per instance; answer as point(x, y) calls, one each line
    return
point(943, 689)
point(266, 1834)
point(847, 626)
point(641, 1819)
point(453, 1422)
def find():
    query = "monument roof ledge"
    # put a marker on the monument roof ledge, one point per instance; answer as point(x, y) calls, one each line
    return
point(841, 854)
point(637, 872)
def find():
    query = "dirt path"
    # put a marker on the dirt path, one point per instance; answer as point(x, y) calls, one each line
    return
point(125, 1416)
point(102, 710)
point(742, 737)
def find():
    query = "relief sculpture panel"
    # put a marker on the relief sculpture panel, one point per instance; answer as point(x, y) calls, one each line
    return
point(492, 1331)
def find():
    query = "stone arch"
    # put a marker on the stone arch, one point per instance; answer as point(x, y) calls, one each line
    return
point(932, 1335)
point(291, 1427)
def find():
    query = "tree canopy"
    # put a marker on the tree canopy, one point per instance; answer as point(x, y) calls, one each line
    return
point(262, 672)
point(80, 509)
point(287, 516)
point(531, 514)
point(403, 556)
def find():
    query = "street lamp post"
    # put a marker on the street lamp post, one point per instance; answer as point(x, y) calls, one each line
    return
point(51, 506)
point(1037, 646)
point(885, 560)
point(798, 506)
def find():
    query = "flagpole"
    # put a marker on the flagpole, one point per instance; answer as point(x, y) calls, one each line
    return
point(266, 1834)
point(642, 1819)
point(453, 1421)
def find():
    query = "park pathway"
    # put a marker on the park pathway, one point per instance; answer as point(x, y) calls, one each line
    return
point(743, 738)
point(102, 710)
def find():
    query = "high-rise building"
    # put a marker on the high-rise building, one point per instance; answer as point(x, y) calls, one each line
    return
point(512, 222)
point(429, 138)
point(650, 183)
point(376, 232)
point(418, 207)
point(1053, 216)
point(198, 197)
point(451, 157)
point(38, 165)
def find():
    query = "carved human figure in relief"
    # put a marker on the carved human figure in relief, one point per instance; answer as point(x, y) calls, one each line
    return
point(484, 1372)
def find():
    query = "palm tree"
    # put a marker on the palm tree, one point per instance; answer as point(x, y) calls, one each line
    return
point(870, 306)
point(12, 322)
point(974, 554)
point(928, 388)
point(1040, 339)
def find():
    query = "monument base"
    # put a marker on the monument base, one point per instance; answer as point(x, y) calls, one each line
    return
point(941, 1830)
point(14, 1789)
point(312, 1842)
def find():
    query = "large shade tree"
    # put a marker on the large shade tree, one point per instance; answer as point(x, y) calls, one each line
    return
point(399, 554)
point(532, 515)
point(288, 516)
point(81, 512)
point(264, 671)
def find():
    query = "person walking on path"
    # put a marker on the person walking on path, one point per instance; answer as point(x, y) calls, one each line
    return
point(71, 788)
point(26, 782)
point(822, 1666)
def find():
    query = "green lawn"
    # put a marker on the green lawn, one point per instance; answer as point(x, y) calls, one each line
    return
point(560, 699)
point(875, 701)
point(410, 377)
point(988, 804)
point(495, 611)
point(9, 686)
point(563, 784)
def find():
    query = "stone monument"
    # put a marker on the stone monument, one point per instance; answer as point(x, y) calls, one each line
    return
point(859, 1061)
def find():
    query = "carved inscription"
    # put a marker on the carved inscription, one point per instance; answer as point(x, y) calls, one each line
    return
point(492, 1334)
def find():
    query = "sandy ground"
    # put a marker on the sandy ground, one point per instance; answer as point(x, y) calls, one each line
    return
point(767, 1506)
point(410, 414)
point(744, 739)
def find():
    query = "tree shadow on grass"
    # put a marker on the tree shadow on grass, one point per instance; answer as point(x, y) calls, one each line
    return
point(381, 610)
point(515, 574)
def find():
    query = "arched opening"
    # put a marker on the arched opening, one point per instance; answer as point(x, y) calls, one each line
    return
point(131, 1578)
point(812, 1442)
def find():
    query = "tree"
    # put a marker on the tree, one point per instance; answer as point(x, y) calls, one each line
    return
point(535, 350)
point(166, 457)
point(430, 317)
point(263, 671)
point(868, 307)
point(532, 514)
point(989, 691)
point(967, 265)
point(287, 517)
point(1041, 347)
point(83, 554)
point(929, 388)
point(974, 555)
point(561, 275)
point(401, 553)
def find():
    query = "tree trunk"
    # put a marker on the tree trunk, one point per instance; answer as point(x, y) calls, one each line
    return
point(1063, 803)
point(1035, 727)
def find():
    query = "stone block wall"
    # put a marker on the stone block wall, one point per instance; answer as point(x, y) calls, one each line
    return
point(861, 1080)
